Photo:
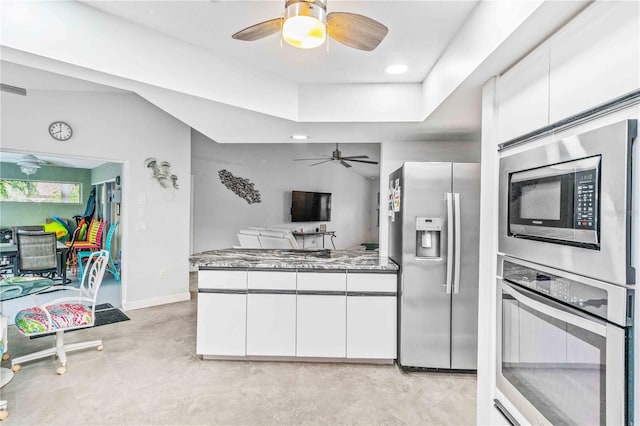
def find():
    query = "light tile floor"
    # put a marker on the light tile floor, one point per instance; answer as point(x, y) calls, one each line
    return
point(149, 373)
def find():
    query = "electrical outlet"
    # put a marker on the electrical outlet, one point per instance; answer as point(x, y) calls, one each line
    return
point(163, 273)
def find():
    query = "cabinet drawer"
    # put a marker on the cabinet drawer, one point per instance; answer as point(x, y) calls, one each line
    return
point(372, 282)
point(322, 281)
point(232, 280)
point(271, 280)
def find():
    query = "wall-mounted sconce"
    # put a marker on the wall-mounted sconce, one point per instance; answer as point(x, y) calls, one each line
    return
point(161, 172)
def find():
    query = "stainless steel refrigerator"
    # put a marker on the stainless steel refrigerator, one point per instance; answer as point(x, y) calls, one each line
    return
point(434, 225)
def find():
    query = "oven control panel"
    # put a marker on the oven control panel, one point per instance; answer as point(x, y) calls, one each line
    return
point(578, 294)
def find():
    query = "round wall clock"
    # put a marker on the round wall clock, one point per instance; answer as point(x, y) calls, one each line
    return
point(60, 131)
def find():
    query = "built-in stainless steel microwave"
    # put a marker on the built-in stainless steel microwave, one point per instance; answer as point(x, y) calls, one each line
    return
point(557, 203)
point(566, 203)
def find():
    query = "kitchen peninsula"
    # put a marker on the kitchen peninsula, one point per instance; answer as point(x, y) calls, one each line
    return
point(335, 305)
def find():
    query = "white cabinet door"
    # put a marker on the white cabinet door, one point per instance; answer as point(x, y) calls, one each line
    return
point(523, 95)
point(221, 324)
point(322, 325)
point(371, 327)
point(271, 324)
point(595, 58)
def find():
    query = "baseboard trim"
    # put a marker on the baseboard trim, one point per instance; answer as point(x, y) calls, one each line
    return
point(147, 303)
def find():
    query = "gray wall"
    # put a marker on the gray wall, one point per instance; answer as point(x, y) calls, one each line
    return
point(219, 214)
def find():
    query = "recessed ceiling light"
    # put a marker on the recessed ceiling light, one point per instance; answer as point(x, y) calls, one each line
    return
point(396, 69)
point(299, 137)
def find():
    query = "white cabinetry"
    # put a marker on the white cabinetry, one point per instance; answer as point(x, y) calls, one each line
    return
point(595, 58)
point(296, 314)
point(523, 95)
point(271, 313)
point(321, 315)
point(222, 313)
point(371, 316)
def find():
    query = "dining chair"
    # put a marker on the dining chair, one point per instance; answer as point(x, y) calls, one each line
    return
point(28, 228)
point(111, 267)
point(91, 241)
point(64, 314)
point(37, 253)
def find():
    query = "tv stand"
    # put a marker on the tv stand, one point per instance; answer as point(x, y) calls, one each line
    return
point(316, 234)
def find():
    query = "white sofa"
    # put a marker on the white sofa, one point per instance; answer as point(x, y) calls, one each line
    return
point(270, 238)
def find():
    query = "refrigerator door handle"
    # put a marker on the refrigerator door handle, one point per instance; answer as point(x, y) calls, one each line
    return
point(456, 268)
point(449, 242)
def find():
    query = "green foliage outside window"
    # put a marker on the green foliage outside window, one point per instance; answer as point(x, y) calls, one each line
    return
point(29, 191)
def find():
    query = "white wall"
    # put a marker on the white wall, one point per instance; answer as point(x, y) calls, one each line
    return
point(219, 213)
point(394, 153)
point(121, 128)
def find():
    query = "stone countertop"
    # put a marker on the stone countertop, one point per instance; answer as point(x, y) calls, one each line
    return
point(293, 259)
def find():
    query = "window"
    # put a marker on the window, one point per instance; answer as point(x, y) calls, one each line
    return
point(29, 191)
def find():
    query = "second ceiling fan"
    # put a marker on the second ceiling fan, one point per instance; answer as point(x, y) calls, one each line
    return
point(337, 156)
point(305, 24)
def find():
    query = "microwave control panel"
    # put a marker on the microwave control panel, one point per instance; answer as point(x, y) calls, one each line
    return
point(568, 291)
point(586, 202)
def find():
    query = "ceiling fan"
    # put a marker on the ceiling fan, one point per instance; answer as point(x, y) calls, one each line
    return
point(305, 24)
point(337, 156)
point(29, 164)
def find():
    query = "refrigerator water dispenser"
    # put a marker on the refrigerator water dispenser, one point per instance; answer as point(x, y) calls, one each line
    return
point(428, 231)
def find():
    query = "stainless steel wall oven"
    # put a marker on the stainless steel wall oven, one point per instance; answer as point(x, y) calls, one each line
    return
point(563, 345)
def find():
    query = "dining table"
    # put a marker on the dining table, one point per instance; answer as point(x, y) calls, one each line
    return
point(10, 250)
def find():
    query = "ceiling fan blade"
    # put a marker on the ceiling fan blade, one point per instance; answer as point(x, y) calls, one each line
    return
point(355, 30)
point(355, 156)
point(315, 164)
point(258, 31)
point(363, 161)
point(344, 163)
point(320, 158)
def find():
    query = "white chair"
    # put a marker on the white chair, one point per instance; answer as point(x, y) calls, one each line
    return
point(248, 238)
point(277, 239)
point(5, 374)
point(66, 313)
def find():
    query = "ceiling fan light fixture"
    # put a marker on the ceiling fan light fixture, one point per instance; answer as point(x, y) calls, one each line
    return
point(29, 164)
point(305, 24)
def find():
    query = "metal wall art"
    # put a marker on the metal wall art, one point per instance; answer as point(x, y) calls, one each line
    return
point(243, 188)
point(161, 172)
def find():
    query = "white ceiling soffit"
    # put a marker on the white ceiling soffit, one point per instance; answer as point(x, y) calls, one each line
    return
point(34, 79)
point(53, 161)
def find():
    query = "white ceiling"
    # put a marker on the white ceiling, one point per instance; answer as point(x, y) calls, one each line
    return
point(419, 31)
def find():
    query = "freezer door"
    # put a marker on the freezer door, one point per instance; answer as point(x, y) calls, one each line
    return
point(425, 305)
point(464, 315)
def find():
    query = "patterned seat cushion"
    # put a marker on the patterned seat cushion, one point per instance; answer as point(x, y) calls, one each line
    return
point(34, 320)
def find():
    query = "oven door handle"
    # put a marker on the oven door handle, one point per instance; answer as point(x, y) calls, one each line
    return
point(593, 325)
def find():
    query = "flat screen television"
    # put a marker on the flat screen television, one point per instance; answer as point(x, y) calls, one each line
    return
point(310, 206)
